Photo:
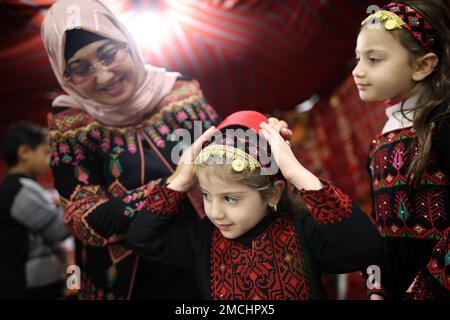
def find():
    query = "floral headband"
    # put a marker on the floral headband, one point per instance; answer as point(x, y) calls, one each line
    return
point(397, 15)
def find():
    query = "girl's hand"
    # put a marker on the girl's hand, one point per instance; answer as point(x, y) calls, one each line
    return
point(410, 289)
point(285, 158)
point(182, 178)
point(375, 296)
point(282, 127)
point(290, 167)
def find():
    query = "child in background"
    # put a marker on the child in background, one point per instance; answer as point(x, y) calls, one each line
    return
point(31, 225)
point(257, 242)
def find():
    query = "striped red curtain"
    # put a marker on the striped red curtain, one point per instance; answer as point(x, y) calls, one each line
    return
point(261, 54)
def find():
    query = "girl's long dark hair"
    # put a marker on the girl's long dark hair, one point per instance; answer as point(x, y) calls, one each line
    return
point(435, 89)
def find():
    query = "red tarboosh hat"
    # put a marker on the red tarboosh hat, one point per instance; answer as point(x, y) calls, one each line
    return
point(246, 118)
point(244, 150)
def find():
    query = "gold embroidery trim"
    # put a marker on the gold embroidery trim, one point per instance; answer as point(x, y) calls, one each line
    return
point(390, 19)
point(240, 160)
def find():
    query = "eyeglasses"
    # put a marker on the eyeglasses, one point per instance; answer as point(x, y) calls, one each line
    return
point(84, 71)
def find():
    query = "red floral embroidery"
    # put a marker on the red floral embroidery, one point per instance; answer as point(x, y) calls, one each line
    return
point(271, 269)
point(83, 201)
point(403, 210)
point(327, 205)
point(162, 200)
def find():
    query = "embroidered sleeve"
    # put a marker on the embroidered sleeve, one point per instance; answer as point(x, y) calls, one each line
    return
point(437, 274)
point(162, 234)
point(327, 205)
point(84, 201)
point(98, 220)
point(162, 200)
point(154, 197)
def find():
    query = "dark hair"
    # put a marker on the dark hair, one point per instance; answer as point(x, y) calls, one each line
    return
point(435, 89)
point(77, 39)
point(19, 133)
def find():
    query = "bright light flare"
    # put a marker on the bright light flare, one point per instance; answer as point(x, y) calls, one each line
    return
point(149, 29)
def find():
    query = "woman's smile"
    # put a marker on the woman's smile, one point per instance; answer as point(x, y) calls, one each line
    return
point(115, 88)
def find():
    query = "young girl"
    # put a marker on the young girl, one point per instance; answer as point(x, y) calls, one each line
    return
point(403, 57)
point(256, 243)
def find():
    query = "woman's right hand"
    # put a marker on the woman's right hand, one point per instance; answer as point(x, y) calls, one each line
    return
point(183, 177)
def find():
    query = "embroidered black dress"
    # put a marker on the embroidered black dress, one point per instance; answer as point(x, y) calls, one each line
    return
point(414, 220)
point(104, 175)
point(280, 258)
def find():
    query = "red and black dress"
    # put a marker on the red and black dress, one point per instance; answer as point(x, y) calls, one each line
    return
point(280, 258)
point(413, 220)
point(104, 175)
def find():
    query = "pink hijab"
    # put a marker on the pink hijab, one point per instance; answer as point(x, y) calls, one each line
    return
point(94, 16)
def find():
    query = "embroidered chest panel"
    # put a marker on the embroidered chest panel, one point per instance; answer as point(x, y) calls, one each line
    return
point(401, 209)
point(272, 269)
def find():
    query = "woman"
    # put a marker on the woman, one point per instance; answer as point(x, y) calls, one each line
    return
point(112, 141)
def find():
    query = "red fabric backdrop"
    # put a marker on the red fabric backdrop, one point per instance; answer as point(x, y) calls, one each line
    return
point(266, 55)
point(261, 54)
point(246, 53)
point(336, 138)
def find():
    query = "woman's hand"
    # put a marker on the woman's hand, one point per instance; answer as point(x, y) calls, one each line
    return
point(182, 178)
point(290, 167)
